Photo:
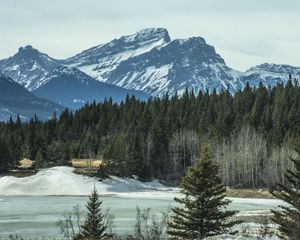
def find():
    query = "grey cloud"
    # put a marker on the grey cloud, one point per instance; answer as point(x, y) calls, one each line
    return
point(244, 32)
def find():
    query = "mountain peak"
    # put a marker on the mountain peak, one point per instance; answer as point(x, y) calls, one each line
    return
point(26, 48)
point(161, 33)
point(118, 50)
point(28, 66)
point(192, 40)
point(146, 36)
point(28, 51)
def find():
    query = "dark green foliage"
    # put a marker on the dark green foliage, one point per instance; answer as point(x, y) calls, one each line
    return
point(40, 161)
point(5, 157)
point(203, 211)
point(288, 217)
point(136, 137)
point(94, 227)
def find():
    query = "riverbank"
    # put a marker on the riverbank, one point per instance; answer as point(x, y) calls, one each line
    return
point(249, 193)
point(47, 178)
point(51, 192)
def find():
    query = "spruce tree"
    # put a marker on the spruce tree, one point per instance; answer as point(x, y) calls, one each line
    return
point(288, 217)
point(204, 208)
point(40, 161)
point(5, 157)
point(94, 227)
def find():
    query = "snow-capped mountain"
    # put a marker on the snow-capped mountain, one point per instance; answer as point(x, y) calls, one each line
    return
point(72, 88)
point(178, 65)
point(270, 74)
point(28, 67)
point(15, 99)
point(100, 60)
point(149, 61)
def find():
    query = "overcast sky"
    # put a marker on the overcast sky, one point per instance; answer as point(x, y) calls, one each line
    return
point(244, 32)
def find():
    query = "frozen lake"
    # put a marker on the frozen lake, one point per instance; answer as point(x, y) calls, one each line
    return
point(36, 215)
point(32, 205)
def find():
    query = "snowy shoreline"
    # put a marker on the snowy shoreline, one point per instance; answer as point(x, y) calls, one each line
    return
point(62, 181)
point(63, 185)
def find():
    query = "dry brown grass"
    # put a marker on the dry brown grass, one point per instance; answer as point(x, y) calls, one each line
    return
point(25, 164)
point(248, 193)
point(86, 163)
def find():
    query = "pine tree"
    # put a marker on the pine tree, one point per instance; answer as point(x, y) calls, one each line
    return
point(5, 157)
point(40, 161)
point(94, 227)
point(203, 213)
point(288, 217)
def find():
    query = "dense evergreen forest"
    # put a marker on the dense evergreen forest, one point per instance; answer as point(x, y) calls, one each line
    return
point(250, 134)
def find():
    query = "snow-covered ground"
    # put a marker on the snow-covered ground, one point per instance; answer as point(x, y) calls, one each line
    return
point(239, 237)
point(62, 181)
point(61, 187)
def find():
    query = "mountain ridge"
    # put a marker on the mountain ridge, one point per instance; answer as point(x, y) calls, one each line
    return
point(148, 61)
point(174, 76)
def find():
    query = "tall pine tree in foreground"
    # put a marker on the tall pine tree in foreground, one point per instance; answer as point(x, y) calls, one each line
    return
point(94, 227)
point(204, 208)
point(288, 217)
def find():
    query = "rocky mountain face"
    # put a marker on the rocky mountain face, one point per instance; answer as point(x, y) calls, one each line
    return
point(15, 99)
point(148, 61)
point(100, 60)
point(28, 67)
point(151, 62)
point(191, 60)
point(73, 88)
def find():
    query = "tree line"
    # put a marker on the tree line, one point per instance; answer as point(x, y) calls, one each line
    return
point(250, 133)
point(201, 213)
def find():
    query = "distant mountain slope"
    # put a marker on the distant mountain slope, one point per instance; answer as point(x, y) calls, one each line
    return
point(270, 74)
point(15, 99)
point(73, 88)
